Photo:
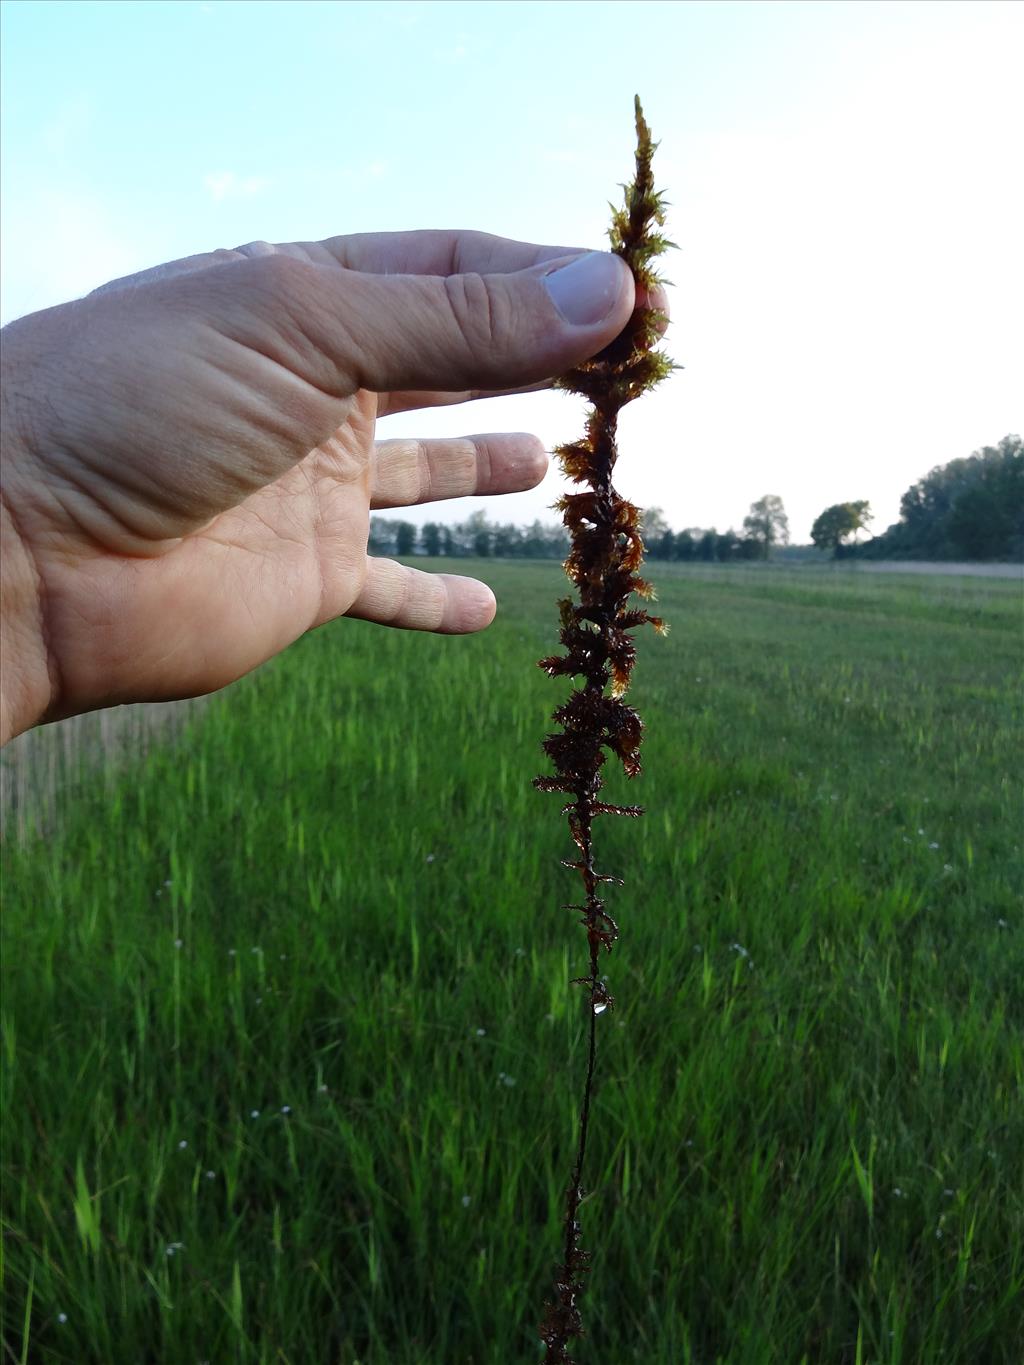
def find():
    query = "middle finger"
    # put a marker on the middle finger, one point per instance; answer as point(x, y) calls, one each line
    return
point(407, 472)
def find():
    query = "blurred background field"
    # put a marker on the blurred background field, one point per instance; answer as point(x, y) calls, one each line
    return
point(291, 1061)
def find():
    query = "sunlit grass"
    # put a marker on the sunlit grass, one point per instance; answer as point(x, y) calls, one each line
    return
point(291, 1061)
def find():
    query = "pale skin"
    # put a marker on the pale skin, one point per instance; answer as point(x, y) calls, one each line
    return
point(190, 458)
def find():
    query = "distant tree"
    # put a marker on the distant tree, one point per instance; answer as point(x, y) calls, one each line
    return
point(405, 538)
point(970, 508)
point(664, 547)
point(685, 546)
point(382, 536)
point(507, 540)
point(707, 545)
point(728, 546)
point(750, 549)
point(533, 541)
point(837, 522)
point(767, 525)
point(653, 526)
point(473, 536)
point(545, 542)
point(430, 538)
point(447, 541)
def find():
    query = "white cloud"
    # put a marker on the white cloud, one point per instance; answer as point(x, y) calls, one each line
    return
point(221, 185)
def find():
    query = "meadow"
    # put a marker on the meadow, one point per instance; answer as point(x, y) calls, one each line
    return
point(292, 1065)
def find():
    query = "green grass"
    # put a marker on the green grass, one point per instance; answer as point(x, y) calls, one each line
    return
point(808, 1141)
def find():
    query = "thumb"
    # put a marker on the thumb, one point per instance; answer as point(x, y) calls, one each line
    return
point(466, 331)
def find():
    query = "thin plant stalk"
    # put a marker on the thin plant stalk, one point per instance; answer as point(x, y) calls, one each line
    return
point(606, 552)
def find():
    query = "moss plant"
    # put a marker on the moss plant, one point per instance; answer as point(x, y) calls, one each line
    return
point(606, 552)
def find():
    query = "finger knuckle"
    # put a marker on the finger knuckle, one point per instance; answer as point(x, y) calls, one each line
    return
point(478, 311)
point(284, 277)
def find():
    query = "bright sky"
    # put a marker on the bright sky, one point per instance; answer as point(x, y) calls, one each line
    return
point(845, 179)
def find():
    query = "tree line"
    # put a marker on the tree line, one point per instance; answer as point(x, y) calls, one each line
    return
point(765, 527)
point(475, 538)
point(971, 508)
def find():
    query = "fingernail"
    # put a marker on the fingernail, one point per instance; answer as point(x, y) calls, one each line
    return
point(586, 290)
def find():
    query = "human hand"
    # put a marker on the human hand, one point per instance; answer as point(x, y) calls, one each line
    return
point(190, 462)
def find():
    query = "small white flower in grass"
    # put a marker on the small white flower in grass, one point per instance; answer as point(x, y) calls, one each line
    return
point(254, 1114)
point(1003, 924)
point(947, 867)
point(62, 1317)
point(431, 857)
point(286, 1109)
point(898, 1192)
point(738, 948)
point(259, 1000)
point(949, 1193)
point(481, 1033)
point(466, 1201)
point(211, 1175)
point(179, 943)
point(256, 950)
point(283, 956)
point(232, 952)
point(933, 846)
point(182, 1144)
point(321, 1089)
point(520, 952)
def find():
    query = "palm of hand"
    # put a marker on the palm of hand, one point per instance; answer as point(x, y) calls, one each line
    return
point(192, 544)
point(290, 557)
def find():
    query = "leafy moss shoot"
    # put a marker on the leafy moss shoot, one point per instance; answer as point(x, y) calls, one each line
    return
point(606, 552)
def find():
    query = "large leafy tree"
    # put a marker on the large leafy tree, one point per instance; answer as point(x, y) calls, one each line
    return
point(837, 522)
point(767, 524)
point(971, 508)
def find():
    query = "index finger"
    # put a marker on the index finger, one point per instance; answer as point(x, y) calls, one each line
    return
point(429, 252)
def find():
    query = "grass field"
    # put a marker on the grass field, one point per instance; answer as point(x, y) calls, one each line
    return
point(291, 1063)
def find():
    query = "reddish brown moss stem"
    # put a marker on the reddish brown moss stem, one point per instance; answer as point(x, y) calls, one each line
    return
point(606, 552)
